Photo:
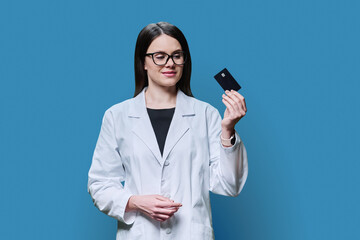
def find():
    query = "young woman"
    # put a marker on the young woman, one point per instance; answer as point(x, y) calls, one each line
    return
point(160, 153)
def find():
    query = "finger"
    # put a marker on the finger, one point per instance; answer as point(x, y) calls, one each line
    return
point(239, 103)
point(157, 216)
point(228, 106)
point(228, 95)
point(173, 210)
point(245, 105)
point(231, 102)
point(162, 198)
point(169, 204)
point(174, 204)
point(162, 216)
point(165, 211)
point(238, 110)
point(241, 98)
point(238, 99)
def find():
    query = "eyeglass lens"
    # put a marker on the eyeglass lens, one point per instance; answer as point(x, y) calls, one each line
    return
point(162, 58)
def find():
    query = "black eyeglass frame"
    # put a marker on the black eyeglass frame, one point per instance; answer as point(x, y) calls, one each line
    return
point(169, 56)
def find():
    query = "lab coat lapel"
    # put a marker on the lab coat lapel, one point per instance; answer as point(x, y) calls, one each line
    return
point(142, 125)
point(178, 127)
point(179, 124)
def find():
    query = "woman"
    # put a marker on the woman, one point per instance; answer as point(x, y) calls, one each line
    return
point(160, 153)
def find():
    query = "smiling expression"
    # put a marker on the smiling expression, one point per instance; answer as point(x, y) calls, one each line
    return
point(169, 74)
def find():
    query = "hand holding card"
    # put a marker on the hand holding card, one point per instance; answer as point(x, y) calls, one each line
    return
point(234, 102)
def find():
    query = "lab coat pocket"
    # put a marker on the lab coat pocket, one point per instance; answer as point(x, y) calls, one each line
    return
point(201, 232)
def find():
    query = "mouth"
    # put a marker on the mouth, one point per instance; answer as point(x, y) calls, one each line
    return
point(169, 73)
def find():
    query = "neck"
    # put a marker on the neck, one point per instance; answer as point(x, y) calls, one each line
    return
point(160, 97)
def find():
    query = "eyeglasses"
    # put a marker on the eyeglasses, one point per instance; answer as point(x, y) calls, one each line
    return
point(161, 58)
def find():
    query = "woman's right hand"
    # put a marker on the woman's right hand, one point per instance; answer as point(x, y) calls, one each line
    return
point(155, 206)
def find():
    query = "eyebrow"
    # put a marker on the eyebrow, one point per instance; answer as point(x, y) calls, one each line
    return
point(177, 50)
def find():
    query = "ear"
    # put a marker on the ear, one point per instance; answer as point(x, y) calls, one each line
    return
point(145, 68)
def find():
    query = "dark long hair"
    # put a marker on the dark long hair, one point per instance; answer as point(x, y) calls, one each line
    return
point(145, 37)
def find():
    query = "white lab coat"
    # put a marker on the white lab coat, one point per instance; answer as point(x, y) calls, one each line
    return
point(127, 161)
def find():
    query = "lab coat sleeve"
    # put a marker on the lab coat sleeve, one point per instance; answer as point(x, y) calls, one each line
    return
point(106, 174)
point(228, 165)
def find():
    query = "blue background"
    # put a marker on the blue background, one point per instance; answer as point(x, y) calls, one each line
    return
point(63, 63)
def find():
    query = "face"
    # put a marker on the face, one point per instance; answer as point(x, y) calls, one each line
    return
point(169, 74)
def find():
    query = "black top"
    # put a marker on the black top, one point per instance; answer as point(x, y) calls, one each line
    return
point(160, 120)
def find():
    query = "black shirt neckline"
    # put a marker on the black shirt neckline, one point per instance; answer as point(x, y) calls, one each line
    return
point(160, 109)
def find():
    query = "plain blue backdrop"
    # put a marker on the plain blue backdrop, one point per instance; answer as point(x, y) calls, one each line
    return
point(63, 63)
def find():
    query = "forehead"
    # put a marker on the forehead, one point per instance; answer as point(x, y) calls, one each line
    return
point(164, 43)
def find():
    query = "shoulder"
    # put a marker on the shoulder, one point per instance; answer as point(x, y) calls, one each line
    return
point(121, 105)
point(119, 109)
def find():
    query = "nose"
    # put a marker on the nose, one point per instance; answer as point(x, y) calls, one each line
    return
point(170, 63)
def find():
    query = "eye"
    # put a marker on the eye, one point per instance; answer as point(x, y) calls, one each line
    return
point(178, 55)
point(159, 56)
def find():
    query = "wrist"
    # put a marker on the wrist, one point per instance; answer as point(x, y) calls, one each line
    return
point(227, 133)
point(131, 205)
point(227, 141)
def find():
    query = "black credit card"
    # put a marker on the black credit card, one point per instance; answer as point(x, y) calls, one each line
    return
point(226, 81)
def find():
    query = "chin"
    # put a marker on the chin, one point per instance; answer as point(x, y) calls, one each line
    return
point(169, 82)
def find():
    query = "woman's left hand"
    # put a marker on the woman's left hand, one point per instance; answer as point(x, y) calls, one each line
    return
point(235, 110)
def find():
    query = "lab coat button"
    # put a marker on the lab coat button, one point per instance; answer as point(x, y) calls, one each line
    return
point(168, 230)
point(166, 163)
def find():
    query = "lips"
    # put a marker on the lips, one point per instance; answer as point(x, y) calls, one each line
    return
point(169, 73)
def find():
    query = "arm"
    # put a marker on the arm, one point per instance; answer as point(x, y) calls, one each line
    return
point(106, 174)
point(228, 165)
